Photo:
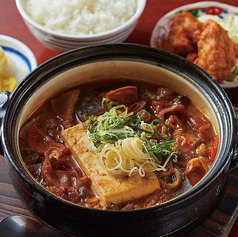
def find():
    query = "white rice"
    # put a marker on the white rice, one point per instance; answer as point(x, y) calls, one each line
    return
point(77, 17)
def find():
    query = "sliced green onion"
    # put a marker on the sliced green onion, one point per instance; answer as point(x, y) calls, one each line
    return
point(117, 124)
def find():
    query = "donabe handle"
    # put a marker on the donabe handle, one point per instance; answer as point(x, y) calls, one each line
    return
point(4, 98)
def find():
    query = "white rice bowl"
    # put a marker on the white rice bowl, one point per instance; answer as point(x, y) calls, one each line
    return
point(80, 17)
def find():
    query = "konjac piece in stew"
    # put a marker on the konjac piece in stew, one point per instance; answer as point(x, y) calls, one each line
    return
point(83, 140)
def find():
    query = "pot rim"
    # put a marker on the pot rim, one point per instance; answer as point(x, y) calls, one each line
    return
point(48, 70)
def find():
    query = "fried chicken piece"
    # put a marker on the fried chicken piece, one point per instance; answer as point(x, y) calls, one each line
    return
point(184, 34)
point(217, 53)
point(191, 56)
point(236, 49)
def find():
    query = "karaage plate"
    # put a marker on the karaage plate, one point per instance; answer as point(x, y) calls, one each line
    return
point(220, 10)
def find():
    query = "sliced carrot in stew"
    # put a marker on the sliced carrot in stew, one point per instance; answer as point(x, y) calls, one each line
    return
point(40, 142)
point(124, 95)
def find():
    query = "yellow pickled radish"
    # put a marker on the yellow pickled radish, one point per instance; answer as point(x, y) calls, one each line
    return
point(3, 60)
point(8, 84)
point(7, 81)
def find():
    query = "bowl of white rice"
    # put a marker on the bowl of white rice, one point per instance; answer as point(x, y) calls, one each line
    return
point(63, 25)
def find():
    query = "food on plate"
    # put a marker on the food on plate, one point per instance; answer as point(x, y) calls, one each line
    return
point(184, 35)
point(143, 146)
point(217, 53)
point(7, 81)
point(206, 44)
point(230, 24)
point(81, 17)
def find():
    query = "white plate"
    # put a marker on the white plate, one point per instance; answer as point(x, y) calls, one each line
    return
point(198, 9)
point(20, 54)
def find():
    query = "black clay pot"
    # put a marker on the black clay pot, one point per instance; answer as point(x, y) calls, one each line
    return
point(119, 62)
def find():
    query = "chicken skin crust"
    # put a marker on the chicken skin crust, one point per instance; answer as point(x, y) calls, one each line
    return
point(216, 51)
point(184, 34)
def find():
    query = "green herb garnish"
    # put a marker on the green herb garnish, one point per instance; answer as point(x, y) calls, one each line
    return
point(117, 124)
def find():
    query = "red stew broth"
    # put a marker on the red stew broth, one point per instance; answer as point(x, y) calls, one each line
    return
point(190, 128)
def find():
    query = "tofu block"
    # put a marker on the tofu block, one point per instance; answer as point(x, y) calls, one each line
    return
point(108, 188)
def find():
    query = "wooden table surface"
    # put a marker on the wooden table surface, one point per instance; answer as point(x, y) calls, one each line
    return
point(11, 24)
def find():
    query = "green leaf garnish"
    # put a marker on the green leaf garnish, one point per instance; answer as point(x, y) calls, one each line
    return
point(117, 124)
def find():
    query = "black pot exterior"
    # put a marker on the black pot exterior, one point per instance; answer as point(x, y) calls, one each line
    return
point(166, 219)
point(172, 220)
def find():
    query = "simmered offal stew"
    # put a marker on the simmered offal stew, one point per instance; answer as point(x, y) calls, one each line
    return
point(122, 148)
